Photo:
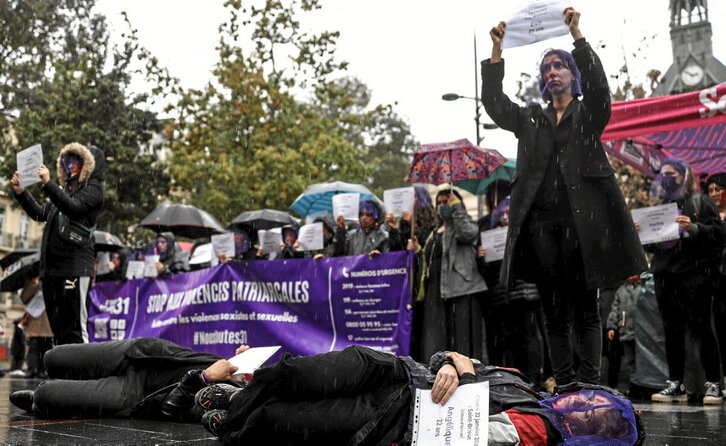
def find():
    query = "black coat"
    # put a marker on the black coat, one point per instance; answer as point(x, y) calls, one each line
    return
point(610, 246)
point(59, 258)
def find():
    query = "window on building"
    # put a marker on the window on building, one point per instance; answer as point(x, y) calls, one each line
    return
point(24, 228)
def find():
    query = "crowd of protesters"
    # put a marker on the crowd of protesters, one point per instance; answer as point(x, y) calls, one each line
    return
point(539, 309)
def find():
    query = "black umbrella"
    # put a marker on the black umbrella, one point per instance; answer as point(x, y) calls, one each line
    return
point(182, 219)
point(264, 219)
point(15, 255)
point(105, 241)
point(15, 275)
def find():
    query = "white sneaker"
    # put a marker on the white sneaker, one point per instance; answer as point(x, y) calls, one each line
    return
point(17, 373)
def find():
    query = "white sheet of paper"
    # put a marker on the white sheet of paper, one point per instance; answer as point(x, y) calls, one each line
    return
point(102, 260)
point(536, 21)
point(29, 160)
point(203, 254)
point(223, 244)
point(346, 205)
point(150, 266)
point(252, 359)
point(135, 269)
point(270, 241)
point(463, 420)
point(310, 236)
point(494, 241)
point(657, 223)
point(36, 306)
point(399, 200)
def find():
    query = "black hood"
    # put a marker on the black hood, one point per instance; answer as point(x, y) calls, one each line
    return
point(99, 172)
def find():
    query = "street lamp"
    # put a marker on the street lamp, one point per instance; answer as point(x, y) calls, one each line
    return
point(477, 115)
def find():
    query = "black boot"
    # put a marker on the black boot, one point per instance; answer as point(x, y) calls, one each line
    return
point(23, 399)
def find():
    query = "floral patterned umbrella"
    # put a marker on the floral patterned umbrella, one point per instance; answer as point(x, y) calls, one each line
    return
point(453, 161)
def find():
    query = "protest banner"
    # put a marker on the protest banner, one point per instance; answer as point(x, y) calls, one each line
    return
point(306, 306)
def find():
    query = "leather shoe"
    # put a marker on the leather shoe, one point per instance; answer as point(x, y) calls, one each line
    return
point(23, 399)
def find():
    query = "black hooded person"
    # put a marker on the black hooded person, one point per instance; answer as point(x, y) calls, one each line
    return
point(171, 259)
point(66, 253)
point(570, 230)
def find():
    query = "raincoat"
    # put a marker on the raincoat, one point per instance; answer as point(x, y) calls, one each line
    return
point(611, 249)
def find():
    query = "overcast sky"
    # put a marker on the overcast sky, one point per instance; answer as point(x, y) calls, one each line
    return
point(410, 52)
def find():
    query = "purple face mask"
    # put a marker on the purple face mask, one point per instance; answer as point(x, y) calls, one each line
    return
point(72, 164)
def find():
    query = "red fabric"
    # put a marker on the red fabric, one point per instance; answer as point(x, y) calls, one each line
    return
point(644, 117)
point(530, 428)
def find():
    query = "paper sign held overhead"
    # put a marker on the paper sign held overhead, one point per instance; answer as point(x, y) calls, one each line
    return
point(535, 22)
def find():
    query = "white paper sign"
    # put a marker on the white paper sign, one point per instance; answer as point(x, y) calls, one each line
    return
point(102, 261)
point(657, 223)
point(462, 421)
point(311, 237)
point(36, 306)
point(29, 160)
point(346, 205)
point(224, 244)
point(270, 241)
point(252, 359)
point(537, 21)
point(494, 241)
point(399, 200)
point(150, 266)
point(135, 269)
point(204, 254)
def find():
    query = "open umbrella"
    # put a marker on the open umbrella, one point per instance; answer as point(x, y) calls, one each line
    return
point(479, 186)
point(452, 161)
point(105, 241)
point(15, 255)
point(318, 198)
point(182, 219)
point(14, 276)
point(264, 219)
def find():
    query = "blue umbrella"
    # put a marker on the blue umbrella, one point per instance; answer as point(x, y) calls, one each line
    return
point(318, 198)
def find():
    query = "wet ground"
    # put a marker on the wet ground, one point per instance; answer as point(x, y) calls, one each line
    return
point(666, 424)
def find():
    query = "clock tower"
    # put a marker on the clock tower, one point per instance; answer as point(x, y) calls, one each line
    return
point(694, 66)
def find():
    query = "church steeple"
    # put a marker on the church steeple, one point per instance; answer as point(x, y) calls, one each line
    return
point(694, 65)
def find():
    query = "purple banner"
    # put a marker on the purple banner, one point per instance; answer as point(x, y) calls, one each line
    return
point(306, 306)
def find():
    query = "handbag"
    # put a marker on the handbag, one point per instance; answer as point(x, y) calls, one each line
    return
point(74, 232)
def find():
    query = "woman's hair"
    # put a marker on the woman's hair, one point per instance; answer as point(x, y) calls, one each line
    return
point(689, 181)
point(446, 192)
point(569, 62)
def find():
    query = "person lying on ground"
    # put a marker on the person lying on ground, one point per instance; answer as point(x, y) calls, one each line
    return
point(360, 396)
point(141, 378)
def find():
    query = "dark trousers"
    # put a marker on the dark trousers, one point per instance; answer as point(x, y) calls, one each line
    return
point(37, 346)
point(65, 303)
point(89, 379)
point(719, 314)
point(566, 300)
point(321, 399)
point(684, 301)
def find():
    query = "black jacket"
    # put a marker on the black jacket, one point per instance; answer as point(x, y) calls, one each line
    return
point(611, 249)
point(59, 258)
point(698, 249)
point(175, 261)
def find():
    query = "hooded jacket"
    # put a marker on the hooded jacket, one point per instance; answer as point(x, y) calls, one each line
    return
point(358, 241)
point(83, 204)
point(174, 260)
